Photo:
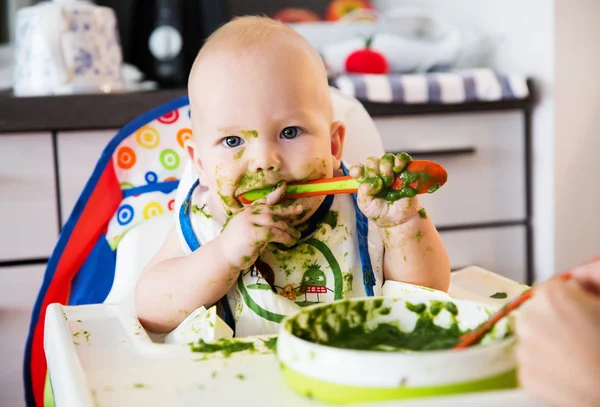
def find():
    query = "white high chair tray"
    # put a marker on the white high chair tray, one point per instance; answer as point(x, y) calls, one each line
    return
point(99, 356)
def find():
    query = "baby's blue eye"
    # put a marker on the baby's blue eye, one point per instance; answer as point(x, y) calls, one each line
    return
point(290, 132)
point(232, 141)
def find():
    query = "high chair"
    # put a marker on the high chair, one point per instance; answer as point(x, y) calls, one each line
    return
point(125, 211)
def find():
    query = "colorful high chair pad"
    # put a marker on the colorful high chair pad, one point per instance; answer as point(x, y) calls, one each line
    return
point(134, 180)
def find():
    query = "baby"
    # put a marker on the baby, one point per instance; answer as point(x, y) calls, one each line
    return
point(262, 116)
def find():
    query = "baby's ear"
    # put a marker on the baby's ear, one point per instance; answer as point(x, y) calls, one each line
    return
point(192, 150)
point(338, 135)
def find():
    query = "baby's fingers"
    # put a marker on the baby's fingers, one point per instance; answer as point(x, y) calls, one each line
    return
point(401, 160)
point(371, 186)
point(278, 211)
point(285, 211)
point(372, 167)
point(288, 238)
point(274, 196)
point(386, 170)
point(271, 221)
point(357, 172)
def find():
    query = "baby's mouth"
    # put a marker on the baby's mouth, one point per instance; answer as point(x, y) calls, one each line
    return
point(251, 181)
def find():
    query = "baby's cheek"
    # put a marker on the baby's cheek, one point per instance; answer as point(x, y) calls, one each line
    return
point(222, 180)
point(320, 167)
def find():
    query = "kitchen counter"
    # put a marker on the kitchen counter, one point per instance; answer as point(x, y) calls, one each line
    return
point(112, 111)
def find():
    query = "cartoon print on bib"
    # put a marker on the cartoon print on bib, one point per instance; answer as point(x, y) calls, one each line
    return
point(314, 282)
point(307, 273)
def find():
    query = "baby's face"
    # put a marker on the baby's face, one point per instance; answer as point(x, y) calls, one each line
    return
point(261, 120)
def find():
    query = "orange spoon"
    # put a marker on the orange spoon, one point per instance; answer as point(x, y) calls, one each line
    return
point(473, 337)
point(421, 176)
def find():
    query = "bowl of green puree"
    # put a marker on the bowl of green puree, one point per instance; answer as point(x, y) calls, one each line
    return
point(389, 348)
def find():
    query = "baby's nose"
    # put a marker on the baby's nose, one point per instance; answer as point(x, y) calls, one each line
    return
point(265, 161)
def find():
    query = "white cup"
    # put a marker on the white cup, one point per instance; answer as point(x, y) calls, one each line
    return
point(67, 46)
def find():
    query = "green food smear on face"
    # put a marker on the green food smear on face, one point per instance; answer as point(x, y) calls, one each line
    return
point(422, 213)
point(250, 181)
point(345, 325)
point(249, 133)
point(226, 347)
point(241, 377)
point(499, 295)
point(196, 209)
point(239, 154)
point(229, 201)
point(271, 344)
point(331, 219)
point(140, 386)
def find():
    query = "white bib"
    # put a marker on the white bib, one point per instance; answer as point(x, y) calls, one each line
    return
point(325, 265)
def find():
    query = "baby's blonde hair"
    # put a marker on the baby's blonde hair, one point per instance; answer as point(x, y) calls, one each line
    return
point(248, 30)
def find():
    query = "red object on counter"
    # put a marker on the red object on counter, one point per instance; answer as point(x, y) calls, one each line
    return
point(367, 61)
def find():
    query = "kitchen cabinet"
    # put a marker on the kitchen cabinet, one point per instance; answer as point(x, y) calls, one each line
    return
point(28, 208)
point(500, 249)
point(484, 157)
point(481, 212)
point(78, 153)
point(18, 292)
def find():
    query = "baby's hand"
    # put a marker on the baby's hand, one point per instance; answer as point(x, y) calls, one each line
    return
point(386, 208)
point(247, 233)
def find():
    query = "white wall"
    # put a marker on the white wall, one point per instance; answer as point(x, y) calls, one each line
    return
point(577, 131)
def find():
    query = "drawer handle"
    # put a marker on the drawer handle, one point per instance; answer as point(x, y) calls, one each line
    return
point(439, 152)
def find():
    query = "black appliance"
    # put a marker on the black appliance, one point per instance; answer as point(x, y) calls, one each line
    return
point(163, 37)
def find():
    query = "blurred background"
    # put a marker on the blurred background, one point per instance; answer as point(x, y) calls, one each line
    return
point(502, 93)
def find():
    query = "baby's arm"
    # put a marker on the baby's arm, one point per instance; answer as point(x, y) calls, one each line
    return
point(173, 284)
point(414, 252)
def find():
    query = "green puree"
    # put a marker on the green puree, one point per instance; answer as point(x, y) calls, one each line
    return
point(499, 295)
point(271, 344)
point(346, 327)
point(226, 347)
